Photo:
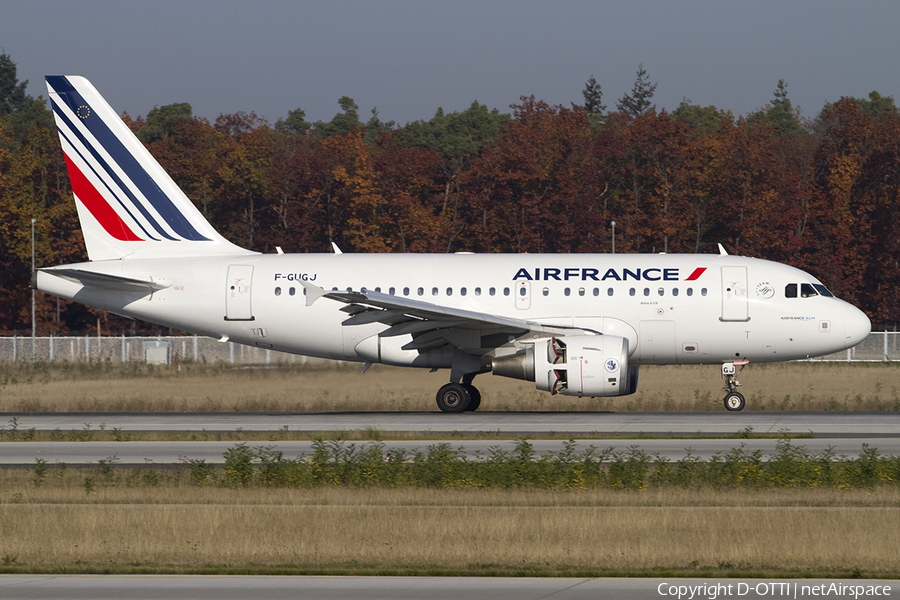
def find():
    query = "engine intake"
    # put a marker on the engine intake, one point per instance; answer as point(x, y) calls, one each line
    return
point(583, 365)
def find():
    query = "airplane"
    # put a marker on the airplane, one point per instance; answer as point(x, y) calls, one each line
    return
point(573, 324)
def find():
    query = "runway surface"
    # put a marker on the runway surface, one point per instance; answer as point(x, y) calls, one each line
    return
point(819, 424)
point(839, 433)
point(49, 587)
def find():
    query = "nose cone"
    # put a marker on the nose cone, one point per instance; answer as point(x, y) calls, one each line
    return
point(857, 324)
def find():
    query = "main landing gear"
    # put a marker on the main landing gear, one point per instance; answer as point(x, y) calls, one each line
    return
point(458, 397)
point(734, 401)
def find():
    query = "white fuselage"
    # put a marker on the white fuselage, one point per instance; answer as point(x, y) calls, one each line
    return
point(671, 308)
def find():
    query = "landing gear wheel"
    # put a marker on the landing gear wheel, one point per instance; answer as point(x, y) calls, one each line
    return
point(453, 398)
point(474, 397)
point(734, 401)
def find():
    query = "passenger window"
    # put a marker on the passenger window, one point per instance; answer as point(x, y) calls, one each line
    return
point(661, 291)
point(609, 292)
point(292, 291)
point(361, 290)
point(581, 291)
point(421, 291)
point(631, 292)
point(596, 291)
point(545, 291)
point(702, 291)
point(434, 291)
point(790, 290)
point(646, 291)
point(278, 291)
point(807, 291)
point(478, 291)
point(462, 291)
point(492, 291)
point(449, 291)
point(674, 291)
point(567, 291)
point(378, 289)
point(506, 291)
point(522, 291)
point(391, 291)
point(690, 292)
point(406, 291)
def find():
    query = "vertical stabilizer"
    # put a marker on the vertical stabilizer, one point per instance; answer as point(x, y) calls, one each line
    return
point(127, 204)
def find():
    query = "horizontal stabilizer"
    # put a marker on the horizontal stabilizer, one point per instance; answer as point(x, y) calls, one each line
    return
point(106, 281)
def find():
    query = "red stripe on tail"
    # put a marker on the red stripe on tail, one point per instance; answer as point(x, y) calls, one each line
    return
point(98, 206)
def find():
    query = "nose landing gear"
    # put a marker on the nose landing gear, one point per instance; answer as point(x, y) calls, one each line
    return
point(734, 401)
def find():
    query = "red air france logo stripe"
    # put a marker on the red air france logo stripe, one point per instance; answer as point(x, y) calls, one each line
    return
point(98, 206)
point(696, 274)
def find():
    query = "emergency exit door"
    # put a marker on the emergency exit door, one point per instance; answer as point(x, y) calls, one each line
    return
point(237, 293)
point(734, 294)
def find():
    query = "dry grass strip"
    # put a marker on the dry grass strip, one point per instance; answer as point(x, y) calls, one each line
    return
point(329, 387)
point(454, 537)
point(57, 526)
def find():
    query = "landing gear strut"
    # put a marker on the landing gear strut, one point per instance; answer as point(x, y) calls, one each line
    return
point(734, 401)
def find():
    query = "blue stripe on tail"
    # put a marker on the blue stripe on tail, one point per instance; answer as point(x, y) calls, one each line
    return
point(157, 198)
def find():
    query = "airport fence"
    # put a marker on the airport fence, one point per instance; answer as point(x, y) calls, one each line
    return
point(880, 346)
point(157, 350)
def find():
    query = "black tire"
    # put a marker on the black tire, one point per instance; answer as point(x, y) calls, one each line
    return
point(453, 398)
point(734, 402)
point(474, 397)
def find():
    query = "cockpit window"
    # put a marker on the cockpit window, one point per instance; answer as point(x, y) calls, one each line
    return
point(807, 290)
point(790, 290)
point(823, 290)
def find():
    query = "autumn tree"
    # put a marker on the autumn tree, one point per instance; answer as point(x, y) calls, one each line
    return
point(658, 181)
point(523, 193)
point(458, 138)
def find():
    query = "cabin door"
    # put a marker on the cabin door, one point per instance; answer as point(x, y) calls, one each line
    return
point(734, 294)
point(237, 293)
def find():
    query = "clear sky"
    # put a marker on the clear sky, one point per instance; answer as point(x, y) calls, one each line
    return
point(410, 57)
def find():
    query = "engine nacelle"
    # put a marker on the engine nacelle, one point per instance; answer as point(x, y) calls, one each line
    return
point(583, 365)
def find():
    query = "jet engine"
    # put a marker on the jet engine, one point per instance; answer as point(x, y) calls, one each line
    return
point(583, 365)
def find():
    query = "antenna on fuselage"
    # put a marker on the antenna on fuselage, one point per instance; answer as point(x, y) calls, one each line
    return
point(722, 251)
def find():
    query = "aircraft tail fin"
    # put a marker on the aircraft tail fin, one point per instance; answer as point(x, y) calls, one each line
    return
point(127, 204)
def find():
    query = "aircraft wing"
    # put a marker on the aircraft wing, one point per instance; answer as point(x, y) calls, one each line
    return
point(433, 325)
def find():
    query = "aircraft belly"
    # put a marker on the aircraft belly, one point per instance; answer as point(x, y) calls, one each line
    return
point(657, 342)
